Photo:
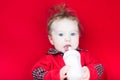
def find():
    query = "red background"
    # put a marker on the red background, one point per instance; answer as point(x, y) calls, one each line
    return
point(23, 35)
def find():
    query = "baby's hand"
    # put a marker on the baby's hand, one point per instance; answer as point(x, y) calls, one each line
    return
point(63, 72)
point(86, 73)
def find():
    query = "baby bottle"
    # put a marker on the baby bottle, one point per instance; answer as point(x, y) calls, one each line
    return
point(72, 58)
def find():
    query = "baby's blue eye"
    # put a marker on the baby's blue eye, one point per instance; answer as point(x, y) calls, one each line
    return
point(60, 34)
point(72, 34)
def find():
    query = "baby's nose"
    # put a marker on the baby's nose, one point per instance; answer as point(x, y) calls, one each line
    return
point(67, 39)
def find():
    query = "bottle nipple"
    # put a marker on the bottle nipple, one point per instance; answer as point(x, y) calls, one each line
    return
point(70, 48)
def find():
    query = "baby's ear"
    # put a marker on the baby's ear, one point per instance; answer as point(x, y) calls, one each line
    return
point(50, 39)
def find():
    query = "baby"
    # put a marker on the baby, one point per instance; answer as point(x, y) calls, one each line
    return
point(64, 33)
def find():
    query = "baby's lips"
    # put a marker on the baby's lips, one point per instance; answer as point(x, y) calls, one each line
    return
point(66, 47)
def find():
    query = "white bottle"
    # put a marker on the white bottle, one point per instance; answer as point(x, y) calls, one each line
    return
point(72, 58)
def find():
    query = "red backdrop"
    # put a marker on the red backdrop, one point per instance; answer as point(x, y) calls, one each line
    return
point(23, 36)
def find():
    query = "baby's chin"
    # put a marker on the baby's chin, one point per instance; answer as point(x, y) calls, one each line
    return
point(63, 51)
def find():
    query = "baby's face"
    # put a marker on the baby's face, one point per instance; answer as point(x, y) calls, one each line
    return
point(64, 34)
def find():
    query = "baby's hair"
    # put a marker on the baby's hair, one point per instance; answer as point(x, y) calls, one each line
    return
point(61, 12)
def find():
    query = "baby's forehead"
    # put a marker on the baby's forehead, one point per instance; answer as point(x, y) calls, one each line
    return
point(69, 20)
point(63, 24)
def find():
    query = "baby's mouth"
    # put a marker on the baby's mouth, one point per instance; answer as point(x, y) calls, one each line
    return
point(66, 47)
